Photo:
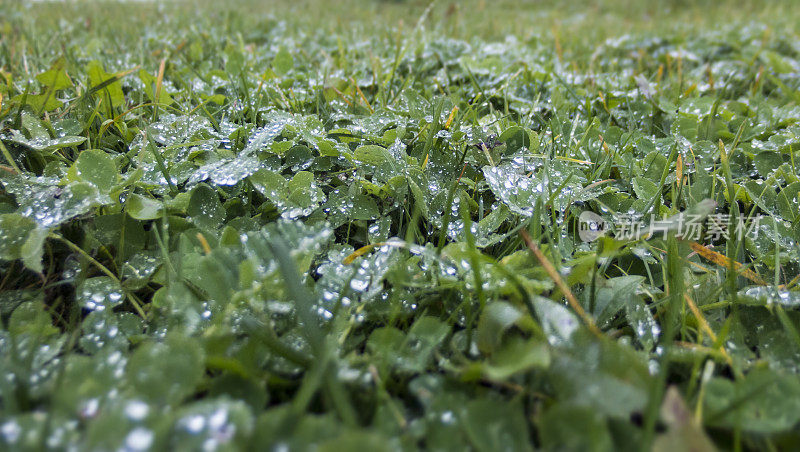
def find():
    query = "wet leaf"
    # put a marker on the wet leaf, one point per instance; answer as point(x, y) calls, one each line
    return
point(204, 209)
point(166, 372)
point(22, 239)
point(97, 168)
point(143, 208)
point(763, 402)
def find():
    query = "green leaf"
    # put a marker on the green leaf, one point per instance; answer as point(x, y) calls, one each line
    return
point(96, 167)
point(386, 343)
point(685, 126)
point(99, 293)
point(21, 238)
point(167, 372)
point(364, 208)
point(269, 183)
point(766, 162)
point(31, 318)
point(56, 77)
point(566, 427)
point(300, 188)
point(558, 323)
point(143, 208)
point(615, 294)
point(150, 89)
point(198, 424)
point(645, 188)
point(496, 319)
point(604, 375)
point(204, 209)
point(517, 138)
point(45, 143)
point(641, 320)
point(411, 352)
point(517, 355)
point(34, 126)
point(50, 204)
point(372, 155)
point(765, 401)
point(38, 102)
point(31, 251)
point(520, 188)
point(789, 201)
point(423, 337)
point(98, 76)
point(492, 424)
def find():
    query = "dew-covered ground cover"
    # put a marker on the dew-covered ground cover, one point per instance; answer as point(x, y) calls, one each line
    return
point(359, 226)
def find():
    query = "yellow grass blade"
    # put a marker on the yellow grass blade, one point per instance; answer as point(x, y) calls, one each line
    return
point(450, 118)
point(203, 243)
point(725, 261)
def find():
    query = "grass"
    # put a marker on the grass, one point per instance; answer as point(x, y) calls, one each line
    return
point(247, 225)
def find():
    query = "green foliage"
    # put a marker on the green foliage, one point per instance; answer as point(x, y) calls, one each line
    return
point(220, 230)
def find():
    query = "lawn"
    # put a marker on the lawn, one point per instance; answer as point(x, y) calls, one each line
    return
point(399, 225)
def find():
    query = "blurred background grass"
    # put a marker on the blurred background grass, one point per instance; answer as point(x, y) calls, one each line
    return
point(574, 23)
point(34, 33)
